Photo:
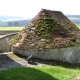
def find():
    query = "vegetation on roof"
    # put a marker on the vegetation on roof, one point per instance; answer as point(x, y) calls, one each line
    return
point(48, 30)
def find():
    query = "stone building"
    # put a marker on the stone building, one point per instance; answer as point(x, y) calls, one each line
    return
point(48, 36)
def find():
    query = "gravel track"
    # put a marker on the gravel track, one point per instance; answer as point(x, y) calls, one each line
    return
point(8, 61)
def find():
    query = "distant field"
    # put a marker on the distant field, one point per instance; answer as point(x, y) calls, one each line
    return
point(11, 28)
point(20, 28)
point(78, 25)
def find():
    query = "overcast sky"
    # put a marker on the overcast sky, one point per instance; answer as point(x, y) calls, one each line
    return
point(29, 8)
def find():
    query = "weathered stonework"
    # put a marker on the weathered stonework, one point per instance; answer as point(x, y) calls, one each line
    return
point(70, 54)
point(48, 30)
point(4, 42)
point(49, 35)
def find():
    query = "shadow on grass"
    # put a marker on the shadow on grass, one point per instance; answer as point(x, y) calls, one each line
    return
point(25, 74)
point(20, 73)
point(56, 63)
point(68, 65)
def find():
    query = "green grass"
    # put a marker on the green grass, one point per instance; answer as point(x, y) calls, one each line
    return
point(10, 28)
point(78, 25)
point(59, 72)
point(18, 28)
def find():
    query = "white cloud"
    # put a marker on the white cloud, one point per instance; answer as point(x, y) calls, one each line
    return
point(29, 8)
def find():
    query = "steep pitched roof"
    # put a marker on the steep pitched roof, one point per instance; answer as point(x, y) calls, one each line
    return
point(48, 29)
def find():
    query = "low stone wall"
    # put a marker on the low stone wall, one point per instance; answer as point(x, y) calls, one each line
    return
point(4, 45)
point(70, 54)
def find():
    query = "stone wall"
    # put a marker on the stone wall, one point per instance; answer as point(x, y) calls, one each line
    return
point(70, 54)
point(4, 45)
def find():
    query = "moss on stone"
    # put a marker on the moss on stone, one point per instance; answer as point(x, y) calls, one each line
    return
point(15, 39)
point(70, 25)
point(45, 27)
point(56, 30)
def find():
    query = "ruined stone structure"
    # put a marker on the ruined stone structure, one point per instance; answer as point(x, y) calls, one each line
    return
point(49, 33)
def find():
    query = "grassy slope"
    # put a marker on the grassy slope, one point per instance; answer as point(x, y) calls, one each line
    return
point(41, 73)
